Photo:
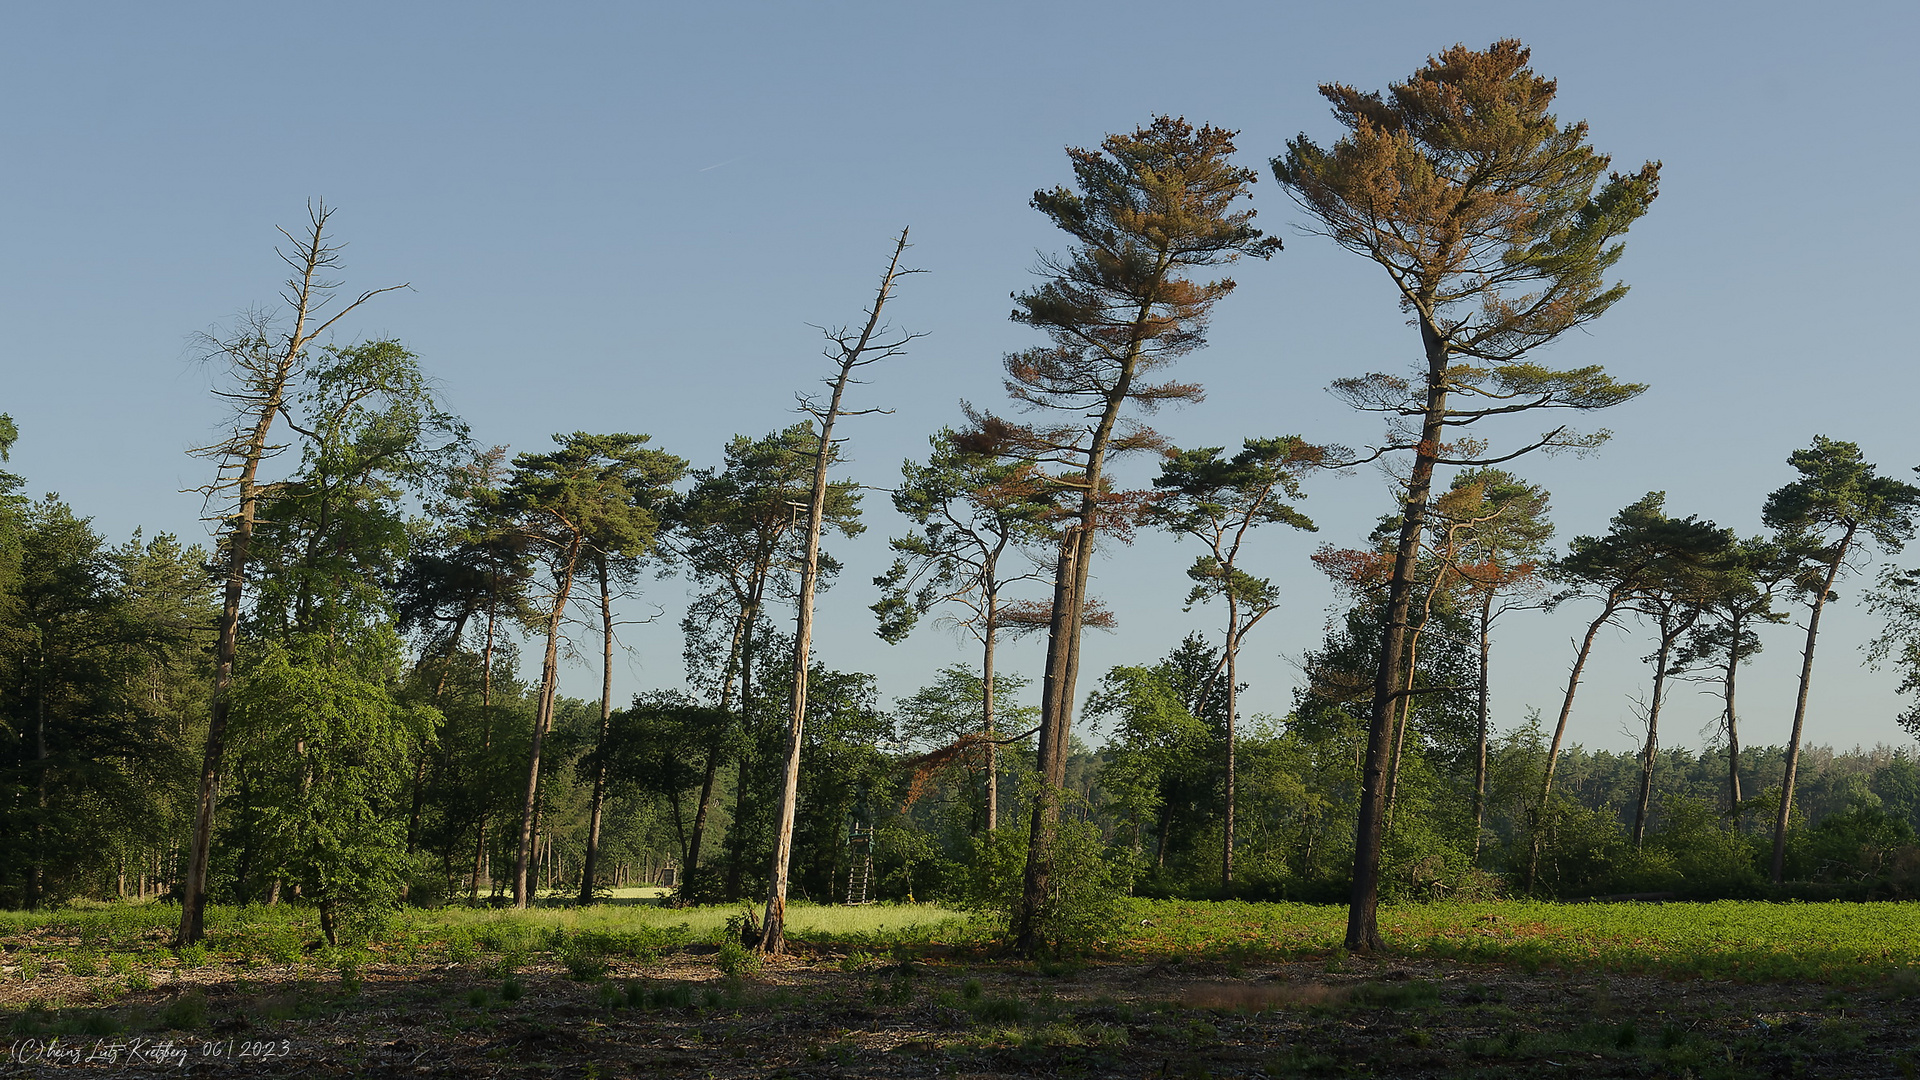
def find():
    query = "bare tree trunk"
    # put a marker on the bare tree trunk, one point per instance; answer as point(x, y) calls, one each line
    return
point(852, 355)
point(1800, 708)
point(600, 736)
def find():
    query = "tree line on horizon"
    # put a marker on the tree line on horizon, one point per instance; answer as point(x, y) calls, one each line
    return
point(326, 707)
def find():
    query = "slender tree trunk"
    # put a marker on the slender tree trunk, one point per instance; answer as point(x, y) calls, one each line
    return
point(600, 736)
point(986, 714)
point(1233, 704)
point(37, 868)
point(1670, 629)
point(543, 719)
point(773, 925)
point(690, 863)
point(1403, 719)
point(1560, 733)
point(1481, 725)
point(1363, 931)
point(1412, 673)
point(193, 901)
point(1800, 708)
point(486, 664)
point(1733, 725)
point(737, 835)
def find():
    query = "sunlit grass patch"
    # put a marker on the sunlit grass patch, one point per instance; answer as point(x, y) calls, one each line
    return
point(1746, 940)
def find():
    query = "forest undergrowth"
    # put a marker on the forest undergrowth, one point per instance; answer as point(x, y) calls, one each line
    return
point(1182, 988)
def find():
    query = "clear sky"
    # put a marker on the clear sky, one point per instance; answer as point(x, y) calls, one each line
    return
point(624, 217)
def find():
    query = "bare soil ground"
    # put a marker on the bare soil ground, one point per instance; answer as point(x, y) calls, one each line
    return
point(832, 1015)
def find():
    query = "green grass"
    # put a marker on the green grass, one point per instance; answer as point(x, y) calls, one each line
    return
point(1748, 940)
point(1829, 942)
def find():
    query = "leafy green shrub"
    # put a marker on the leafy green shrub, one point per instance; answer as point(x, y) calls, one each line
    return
point(1708, 857)
point(510, 989)
point(1086, 893)
point(735, 960)
point(1581, 850)
point(349, 969)
point(585, 965)
point(1861, 843)
point(460, 945)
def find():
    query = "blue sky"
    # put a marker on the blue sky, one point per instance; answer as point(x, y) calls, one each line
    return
point(625, 217)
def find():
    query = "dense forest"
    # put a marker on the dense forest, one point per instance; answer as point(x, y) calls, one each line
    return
point(352, 697)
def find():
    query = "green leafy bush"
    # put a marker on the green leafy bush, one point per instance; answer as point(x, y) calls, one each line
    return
point(1086, 894)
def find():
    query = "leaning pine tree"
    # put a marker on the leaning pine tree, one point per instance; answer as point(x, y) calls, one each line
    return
point(1150, 207)
point(1494, 223)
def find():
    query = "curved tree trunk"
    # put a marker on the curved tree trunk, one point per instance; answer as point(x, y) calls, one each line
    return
point(690, 863)
point(1800, 708)
point(1560, 734)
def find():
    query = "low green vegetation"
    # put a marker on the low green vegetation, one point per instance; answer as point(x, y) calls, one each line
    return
point(1473, 988)
point(1744, 940)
